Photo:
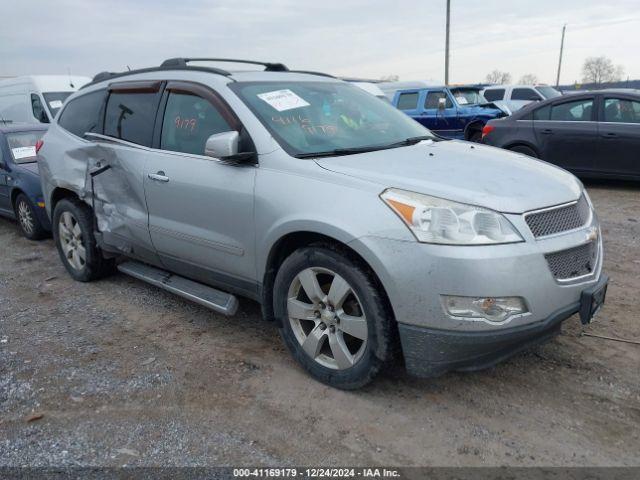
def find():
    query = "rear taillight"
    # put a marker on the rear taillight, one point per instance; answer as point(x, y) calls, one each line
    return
point(39, 145)
point(487, 129)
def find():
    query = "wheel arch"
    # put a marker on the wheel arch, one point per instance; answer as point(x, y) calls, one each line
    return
point(522, 143)
point(58, 194)
point(475, 125)
point(292, 241)
point(15, 191)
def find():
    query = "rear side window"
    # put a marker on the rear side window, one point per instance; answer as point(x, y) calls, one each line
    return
point(38, 110)
point(494, 94)
point(620, 110)
point(542, 113)
point(83, 114)
point(130, 116)
point(188, 121)
point(408, 101)
point(525, 94)
point(577, 111)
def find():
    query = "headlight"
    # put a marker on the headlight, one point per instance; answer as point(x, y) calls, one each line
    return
point(435, 220)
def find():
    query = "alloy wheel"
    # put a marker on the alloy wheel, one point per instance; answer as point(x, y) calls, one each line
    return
point(327, 318)
point(70, 235)
point(25, 218)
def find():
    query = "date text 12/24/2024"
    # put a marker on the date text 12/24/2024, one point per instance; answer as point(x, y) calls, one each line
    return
point(316, 473)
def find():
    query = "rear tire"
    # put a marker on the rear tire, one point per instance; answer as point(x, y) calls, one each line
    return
point(476, 136)
point(76, 244)
point(28, 221)
point(337, 327)
point(524, 150)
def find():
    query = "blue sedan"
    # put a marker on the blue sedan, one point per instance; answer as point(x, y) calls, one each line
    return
point(20, 190)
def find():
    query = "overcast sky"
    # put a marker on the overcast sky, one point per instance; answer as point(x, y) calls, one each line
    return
point(361, 38)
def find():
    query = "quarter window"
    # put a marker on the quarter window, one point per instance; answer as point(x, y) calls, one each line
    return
point(188, 121)
point(408, 101)
point(434, 97)
point(576, 111)
point(494, 94)
point(130, 116)
point(620, 110)
point(82, 114)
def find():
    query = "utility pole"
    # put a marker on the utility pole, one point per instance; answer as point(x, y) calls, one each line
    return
point(564, 27)
point(446, 47)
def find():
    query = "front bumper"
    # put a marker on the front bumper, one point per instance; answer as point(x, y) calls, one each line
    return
point(416, 276)
point(430, 352)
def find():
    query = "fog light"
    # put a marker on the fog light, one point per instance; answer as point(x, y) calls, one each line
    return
point(492, 309)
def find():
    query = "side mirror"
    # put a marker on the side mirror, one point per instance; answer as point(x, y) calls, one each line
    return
point(222, 145)
point(442, 103)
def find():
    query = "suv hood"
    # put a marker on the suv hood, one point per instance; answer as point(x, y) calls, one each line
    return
point(469, 173)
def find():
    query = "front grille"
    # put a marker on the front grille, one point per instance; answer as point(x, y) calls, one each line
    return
point(557, 220)
point(573, 262)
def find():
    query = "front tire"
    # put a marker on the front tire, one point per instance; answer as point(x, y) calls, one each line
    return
point(28, 221)
point(332, 316)
point(76, 244)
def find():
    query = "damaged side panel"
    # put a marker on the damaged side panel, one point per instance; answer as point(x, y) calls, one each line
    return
point(109, 178)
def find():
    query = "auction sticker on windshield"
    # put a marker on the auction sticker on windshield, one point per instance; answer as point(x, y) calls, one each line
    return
point(283, 100)
point(23, 152)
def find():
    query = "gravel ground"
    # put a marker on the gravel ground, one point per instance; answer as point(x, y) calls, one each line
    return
point(119, 373)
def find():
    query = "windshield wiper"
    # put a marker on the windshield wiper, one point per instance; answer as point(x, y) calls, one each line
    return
point(371, 148)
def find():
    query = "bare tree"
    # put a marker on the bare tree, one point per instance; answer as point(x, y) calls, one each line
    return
point(390, 78)
point(498, 77)
point(529, 79)
point(601, 69)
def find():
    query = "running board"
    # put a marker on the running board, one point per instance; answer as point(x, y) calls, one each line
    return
point(209, 297)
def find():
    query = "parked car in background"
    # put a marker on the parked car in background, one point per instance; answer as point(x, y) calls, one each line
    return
point(20, 190)
point(391, 87)
point(373, 89)
point(357, 229)
point(517, 96)
point(36, 98)
point(594, 134)
point(452, 112)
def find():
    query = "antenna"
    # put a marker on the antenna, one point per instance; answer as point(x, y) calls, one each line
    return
point(69, 74)
point(128, 68)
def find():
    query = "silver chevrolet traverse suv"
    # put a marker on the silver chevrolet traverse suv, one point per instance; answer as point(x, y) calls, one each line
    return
point(360, 232)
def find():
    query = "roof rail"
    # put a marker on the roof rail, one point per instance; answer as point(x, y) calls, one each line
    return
point(309, 72)
point(181, 62)
point(107, 75)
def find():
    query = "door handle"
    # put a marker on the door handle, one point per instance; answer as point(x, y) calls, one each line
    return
point(609, 135)
point(158, 177)
point(546, 131)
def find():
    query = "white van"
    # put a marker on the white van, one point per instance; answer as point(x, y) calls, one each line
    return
point(36, 98)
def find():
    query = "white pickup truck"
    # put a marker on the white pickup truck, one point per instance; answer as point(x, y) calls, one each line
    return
point(517, 96)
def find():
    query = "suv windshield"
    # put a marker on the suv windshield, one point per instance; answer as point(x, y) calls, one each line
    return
point(23, 145)
point(548, 92)
point(468, 96)
point(327, 118)
point(55, 100)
